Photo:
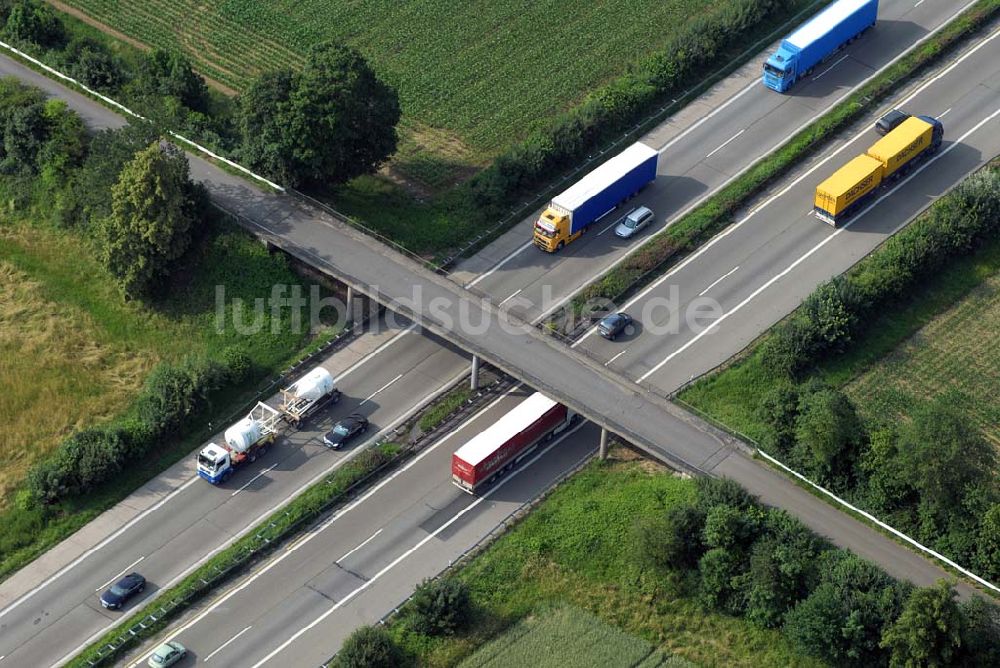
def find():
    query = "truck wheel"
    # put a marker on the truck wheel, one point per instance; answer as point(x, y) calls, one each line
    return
point(560, 245)
point(263, 451)
point(226, 476)
point(252, 457)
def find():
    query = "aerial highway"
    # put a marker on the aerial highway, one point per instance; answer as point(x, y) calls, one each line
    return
point(701, 149)
point(284, 218)
point(765, 264)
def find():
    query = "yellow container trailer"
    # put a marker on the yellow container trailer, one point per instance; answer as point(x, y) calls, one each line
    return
point(839, 196)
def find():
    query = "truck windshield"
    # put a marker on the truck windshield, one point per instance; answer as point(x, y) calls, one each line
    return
point(544, 231)
point(774, 71)
point(206, 463)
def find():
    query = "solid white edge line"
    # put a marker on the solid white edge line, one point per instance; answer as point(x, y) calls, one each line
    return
point(732, 228)
point(336, 516)
point(288, 499)
point(226, 644)
point(121, 573)
point(807, 254)
point(346, 599)
point(159, 504)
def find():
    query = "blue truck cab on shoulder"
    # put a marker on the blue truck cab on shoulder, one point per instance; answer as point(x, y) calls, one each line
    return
point(815, 40)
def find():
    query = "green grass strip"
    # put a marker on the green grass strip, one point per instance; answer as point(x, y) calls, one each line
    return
point(656, 255)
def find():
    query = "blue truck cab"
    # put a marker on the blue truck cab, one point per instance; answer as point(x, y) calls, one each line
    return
point(815, 40)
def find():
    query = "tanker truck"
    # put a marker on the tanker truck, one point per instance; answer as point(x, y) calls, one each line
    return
point(242, 443)
point(307, 395)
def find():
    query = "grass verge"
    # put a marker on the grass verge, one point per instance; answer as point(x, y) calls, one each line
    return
point(575, 549)
point(90, 352)
point(657, 254)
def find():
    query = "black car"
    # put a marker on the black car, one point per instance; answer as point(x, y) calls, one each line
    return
point(890, 121)
point(613, 325)
point(345, 430)
point(121, 591)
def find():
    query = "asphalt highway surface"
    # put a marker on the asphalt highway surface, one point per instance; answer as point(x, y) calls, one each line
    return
point(61, 611)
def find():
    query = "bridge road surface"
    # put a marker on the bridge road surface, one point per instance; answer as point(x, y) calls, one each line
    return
point(367, 558)
point(396, 370)
point(778, 234)
point(697, 157)
point(96, 115)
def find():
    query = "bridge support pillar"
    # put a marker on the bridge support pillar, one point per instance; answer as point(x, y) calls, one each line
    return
point(349, 314)
point(603, 450)
point(474, 381)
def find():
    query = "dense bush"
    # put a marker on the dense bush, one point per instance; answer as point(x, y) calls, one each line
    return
point(671, 541)
point(171, 396)
point(764, 565)
point(828, 436)
point(842, 308)
point(331, 122)
point(152, 216)
point(34, 22)
point(441, 607)
point(369, 647)
point(93, 65)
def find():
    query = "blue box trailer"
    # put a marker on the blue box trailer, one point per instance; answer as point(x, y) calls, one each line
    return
point(596, 194)
point(816, 39)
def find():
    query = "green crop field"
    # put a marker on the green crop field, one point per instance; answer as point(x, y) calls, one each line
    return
point(956, 354)
point(472, 75)
point(542, 639)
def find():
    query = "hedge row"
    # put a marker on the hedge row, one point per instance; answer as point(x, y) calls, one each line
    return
point(717, 212)
point(571, 137)
point(762, 564)
point(270, 533)
point(171, 397)
point(842, 308)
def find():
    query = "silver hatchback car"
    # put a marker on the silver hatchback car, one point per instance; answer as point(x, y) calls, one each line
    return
point(634, 221)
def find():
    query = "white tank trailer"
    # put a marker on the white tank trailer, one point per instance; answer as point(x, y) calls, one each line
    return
point(307, 395)
point(244, 442)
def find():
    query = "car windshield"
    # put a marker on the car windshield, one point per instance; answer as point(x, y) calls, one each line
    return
point(610, 322)
point(341, 430)
point(118, 590)
point(631, 222)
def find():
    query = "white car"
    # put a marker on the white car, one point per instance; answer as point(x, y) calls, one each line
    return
point(633, 222)
point(166, 654)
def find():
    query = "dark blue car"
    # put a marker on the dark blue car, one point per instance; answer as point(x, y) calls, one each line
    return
point(130, 585)
point(613, 325)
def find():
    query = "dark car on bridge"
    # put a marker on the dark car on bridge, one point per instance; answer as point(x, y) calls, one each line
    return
point(345, 430)
point(613, 325)
point(120, 592)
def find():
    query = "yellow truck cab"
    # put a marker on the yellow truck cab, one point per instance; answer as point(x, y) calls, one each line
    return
point(552, 229)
